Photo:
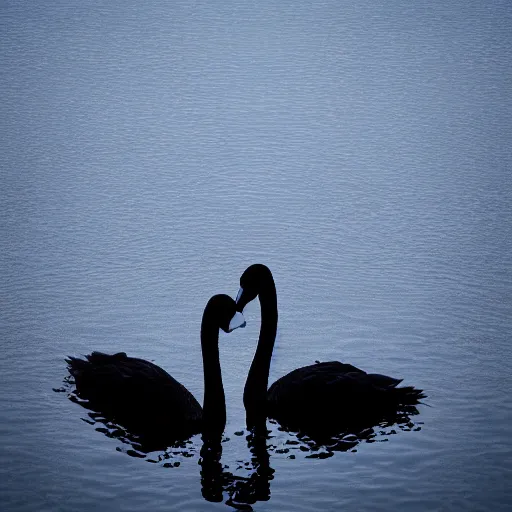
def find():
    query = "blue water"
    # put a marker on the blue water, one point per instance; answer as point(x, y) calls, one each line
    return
point(151, 152)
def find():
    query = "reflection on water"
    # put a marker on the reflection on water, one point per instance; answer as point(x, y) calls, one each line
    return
point(242, 491)
point(324, 446)
point(216, 481)
point(239, 491)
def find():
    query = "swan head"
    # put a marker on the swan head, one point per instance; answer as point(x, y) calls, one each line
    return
point(226, 312)
point(237, 321)
point(250, 284)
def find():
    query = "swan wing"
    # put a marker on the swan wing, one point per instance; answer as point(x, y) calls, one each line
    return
point(133, 390)
point(330, 394)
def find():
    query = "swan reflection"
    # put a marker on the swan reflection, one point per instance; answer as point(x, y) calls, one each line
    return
point(242, 491)
point(218, 482)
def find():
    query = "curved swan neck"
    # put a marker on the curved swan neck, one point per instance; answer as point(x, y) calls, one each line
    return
point(255, 392)
point(214, 403)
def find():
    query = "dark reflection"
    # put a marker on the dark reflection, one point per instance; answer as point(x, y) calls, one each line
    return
point(212, 473)
point(357, 428)
point(242, 491)
point(217, 480)
point(245, 491)
point(322, 443)
point(218, 483)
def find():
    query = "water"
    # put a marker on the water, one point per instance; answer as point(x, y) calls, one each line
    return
point(151, 152)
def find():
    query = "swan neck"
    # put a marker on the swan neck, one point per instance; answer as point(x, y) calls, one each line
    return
point(255, 393)
point(214, 403)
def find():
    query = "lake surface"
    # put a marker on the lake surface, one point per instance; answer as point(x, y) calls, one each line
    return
point(152, 151)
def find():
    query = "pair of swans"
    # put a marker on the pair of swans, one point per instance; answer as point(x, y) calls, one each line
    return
point(322, 397)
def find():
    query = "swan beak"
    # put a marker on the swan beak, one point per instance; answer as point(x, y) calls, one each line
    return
point(242, 298)
point(238, 321)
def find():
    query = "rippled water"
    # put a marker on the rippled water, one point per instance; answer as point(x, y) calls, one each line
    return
point(151, 152)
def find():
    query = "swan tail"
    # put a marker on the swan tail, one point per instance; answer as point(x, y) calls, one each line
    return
point(408, 395)
point(91, 380)
point(76, 366)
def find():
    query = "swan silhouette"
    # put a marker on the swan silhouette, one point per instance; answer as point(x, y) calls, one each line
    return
point(242, 491)
point(320, 398)
point(145, 399)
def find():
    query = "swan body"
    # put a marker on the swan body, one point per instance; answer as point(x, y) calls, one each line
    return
point(145, 399)
point(323, 396)
point(137, 393)
point(333, 394)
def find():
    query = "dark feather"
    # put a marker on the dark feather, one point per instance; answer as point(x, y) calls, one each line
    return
point(136, 393)
point(333, 395)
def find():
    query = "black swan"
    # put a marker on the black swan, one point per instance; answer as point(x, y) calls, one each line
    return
point(323, 397)
point(149, 402)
